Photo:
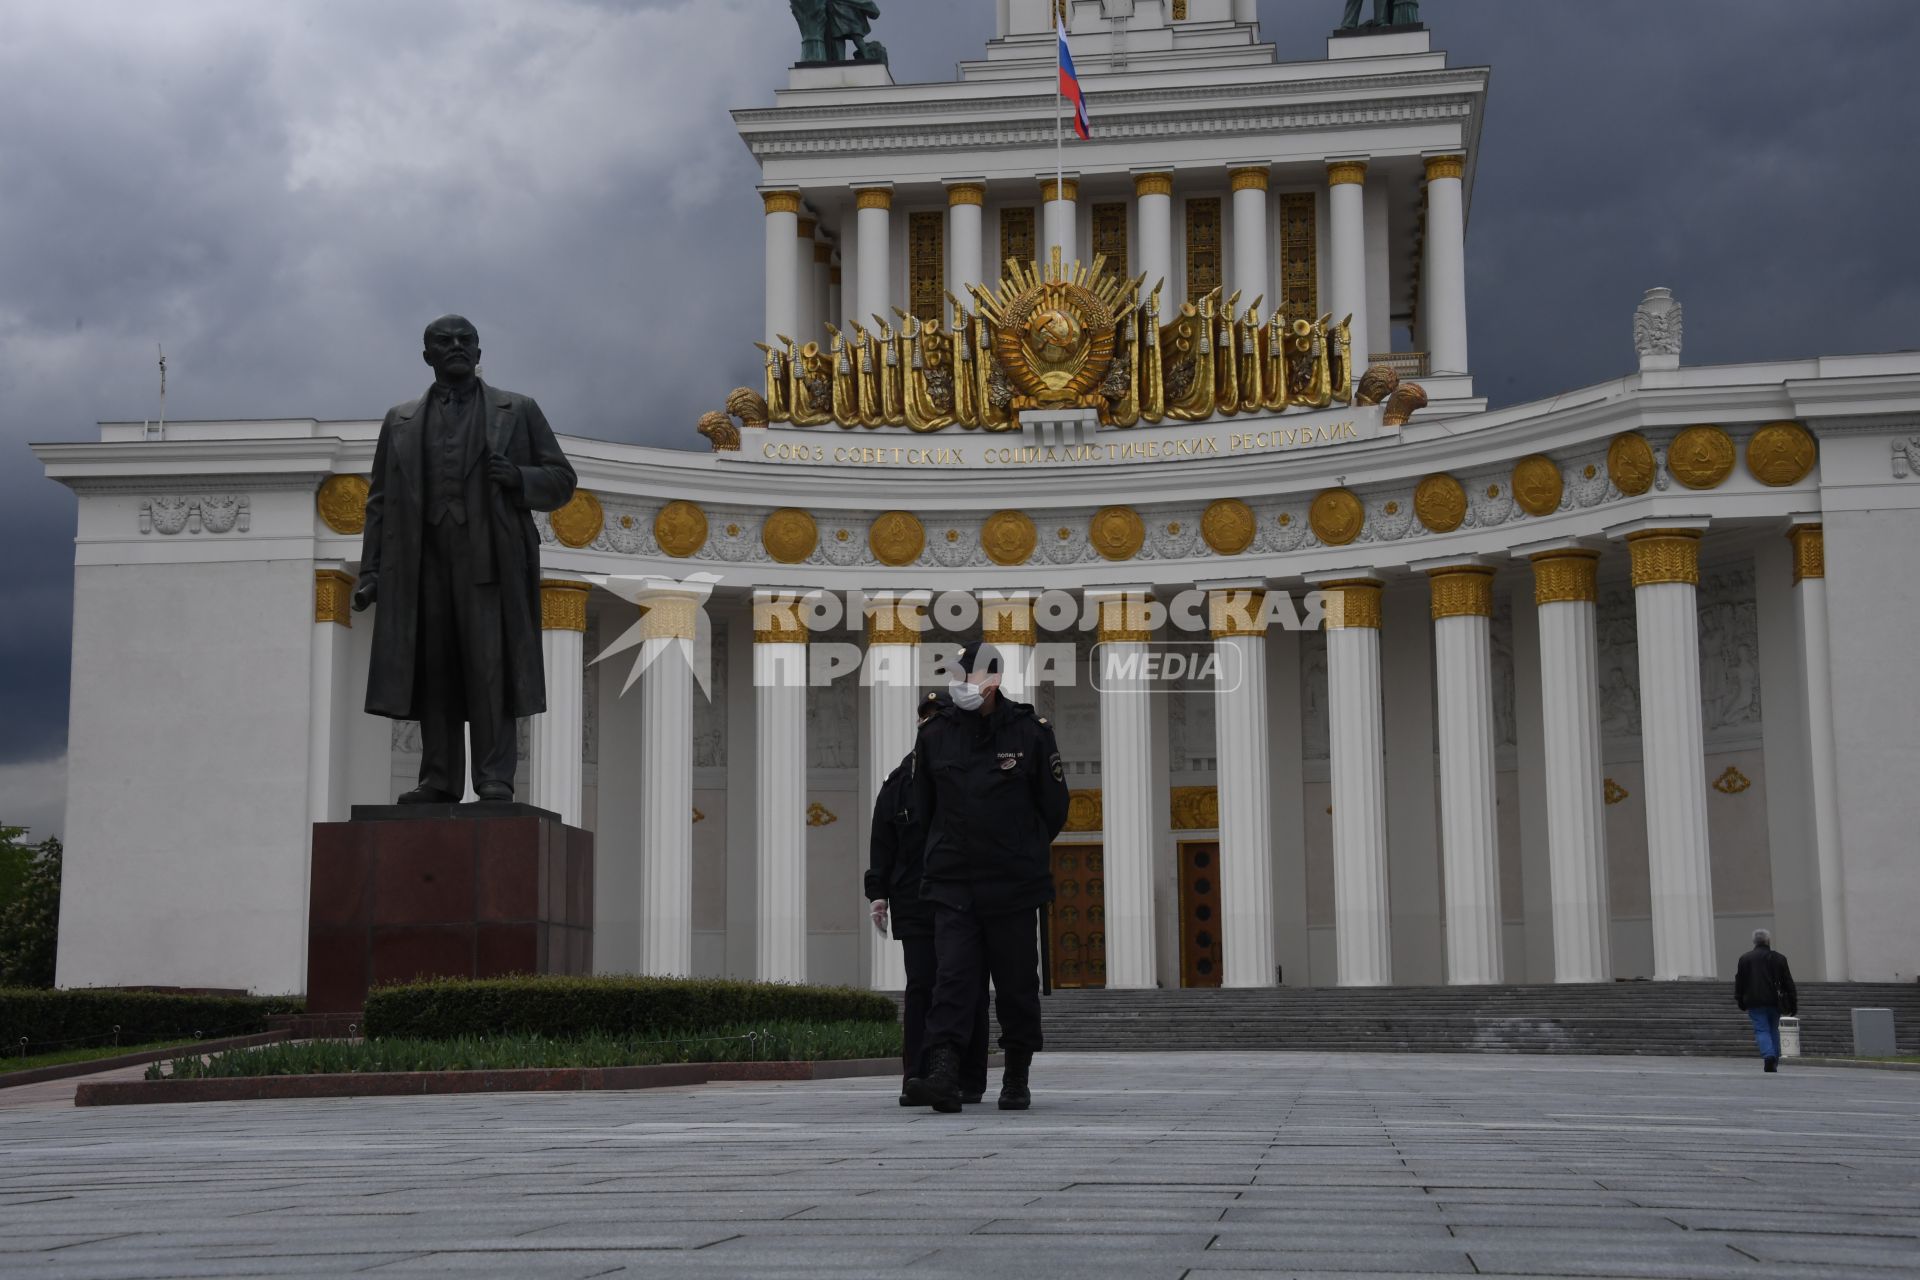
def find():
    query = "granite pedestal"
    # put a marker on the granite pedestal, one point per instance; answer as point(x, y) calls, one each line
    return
point(401, 892)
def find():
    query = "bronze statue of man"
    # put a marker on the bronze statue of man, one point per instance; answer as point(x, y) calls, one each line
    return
point(451, 556)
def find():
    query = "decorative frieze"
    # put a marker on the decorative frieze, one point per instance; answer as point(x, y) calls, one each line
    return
point(170, 514)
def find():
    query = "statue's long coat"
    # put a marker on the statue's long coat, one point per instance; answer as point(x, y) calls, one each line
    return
point(506, 546)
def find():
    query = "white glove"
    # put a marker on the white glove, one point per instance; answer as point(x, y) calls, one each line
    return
point(879, 913)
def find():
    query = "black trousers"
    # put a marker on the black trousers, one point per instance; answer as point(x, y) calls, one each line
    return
point(461, 674)
point(922, 971)
point(969, 947)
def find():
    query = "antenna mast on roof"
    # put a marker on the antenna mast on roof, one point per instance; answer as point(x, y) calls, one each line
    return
point(158, 430)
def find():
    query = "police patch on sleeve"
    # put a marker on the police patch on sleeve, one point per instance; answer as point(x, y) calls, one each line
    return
point(1059, 770)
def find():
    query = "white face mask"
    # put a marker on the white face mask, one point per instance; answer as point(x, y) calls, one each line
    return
point(965, 696)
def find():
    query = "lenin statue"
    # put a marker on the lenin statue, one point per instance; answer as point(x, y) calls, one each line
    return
point(452, 557)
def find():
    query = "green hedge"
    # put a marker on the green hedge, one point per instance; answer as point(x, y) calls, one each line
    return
point(88, 1015)
point(574, 1008)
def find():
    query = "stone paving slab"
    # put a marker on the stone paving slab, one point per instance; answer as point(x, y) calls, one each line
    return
point(1153, 1165)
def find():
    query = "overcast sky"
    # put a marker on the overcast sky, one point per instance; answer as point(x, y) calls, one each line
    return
point(283, 192)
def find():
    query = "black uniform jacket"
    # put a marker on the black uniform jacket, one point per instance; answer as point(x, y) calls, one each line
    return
point(1763, 981)
point(994, 795)
point(895, 854)
point(506, 546)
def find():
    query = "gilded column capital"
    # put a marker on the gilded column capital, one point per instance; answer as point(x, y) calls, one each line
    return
point(895, 621)
point(779, 619)
point(1249, 178)
point(1565, 576)
point(781, 201)
point(1352, 604)
point(1446, 167)
point(1153, 184)
point(1665, 555)
point(1809, 552)
point(563, 605)
point(1062, 189)
point(1123, 619)
point(669, 617)
point(806, 227)
point(1461, 591)
point(973, 193)
point(1342, 172)
point(333, 597)
point(1236, 611)
point(1007, 622)
point(833, 275)
point(822, 253)
point(873, 198)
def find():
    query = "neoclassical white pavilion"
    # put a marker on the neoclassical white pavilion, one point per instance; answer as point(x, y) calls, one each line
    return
point(1570, 691)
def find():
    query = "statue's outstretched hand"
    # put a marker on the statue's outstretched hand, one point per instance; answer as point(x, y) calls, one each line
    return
point(364, 592)
point(503, 473)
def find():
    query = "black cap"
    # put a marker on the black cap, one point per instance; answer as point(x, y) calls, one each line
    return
point(977, 658)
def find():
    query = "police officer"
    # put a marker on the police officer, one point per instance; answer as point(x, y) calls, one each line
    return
point(895, 864)
point(989, 781)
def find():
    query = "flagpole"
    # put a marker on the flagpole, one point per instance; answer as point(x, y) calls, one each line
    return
point(1059, 104)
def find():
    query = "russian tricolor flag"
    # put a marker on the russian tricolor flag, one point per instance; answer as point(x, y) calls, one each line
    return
point(1070, 85)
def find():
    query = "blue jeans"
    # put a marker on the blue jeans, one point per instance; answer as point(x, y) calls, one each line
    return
point(1766, 1030)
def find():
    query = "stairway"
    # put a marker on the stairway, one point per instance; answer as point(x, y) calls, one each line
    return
point(1675, 1018)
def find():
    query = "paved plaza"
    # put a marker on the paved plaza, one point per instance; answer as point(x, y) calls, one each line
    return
point(1162, 1165)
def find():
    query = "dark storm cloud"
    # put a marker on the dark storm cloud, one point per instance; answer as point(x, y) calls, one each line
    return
point(284, 193)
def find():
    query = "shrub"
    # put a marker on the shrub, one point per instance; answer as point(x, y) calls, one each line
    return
point(563, 1008)
point(29, 909)
point(88, 1016)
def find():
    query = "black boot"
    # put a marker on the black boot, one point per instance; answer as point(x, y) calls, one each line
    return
point(1014, 1093)
point(1772, 1064)
point(939, 1088)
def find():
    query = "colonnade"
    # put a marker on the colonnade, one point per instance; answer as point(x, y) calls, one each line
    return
point(802, 284)
point(1665, 574)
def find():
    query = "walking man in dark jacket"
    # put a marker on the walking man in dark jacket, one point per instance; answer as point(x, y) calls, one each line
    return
point(988, 777)
point(895, 864)
point(1763, 986)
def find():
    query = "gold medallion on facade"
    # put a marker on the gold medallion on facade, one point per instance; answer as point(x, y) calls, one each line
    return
point(1008, 537)
point(1116, 532)
point(342, 503)
point(1440, 502)
point(1630, 463)
point(896, 538)
point(1337, 517)
point(1537, 485)
point(680, 528)
point(1083, 810)
point(579, 522)
point(1228, 526)
point(1701, 457)
point(1781, 453)
point(1194, 808)
point(789, 535)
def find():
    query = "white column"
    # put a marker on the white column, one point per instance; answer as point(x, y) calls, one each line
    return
point(667, 632)
point(875, 223)
point(1444, 302)
point(555, 739)
point(806, 324)
point(1153, 231)
point(1666, 572)
point(1006, 623)
point(1362, 922)
point(780, 785)
point(1246, 820)
point(1347, 211)
point(1252, 278)
point(964, 240)
point(1810, 599)
point(894, 627)
point(329, 693)
point(1061, 213)
point(1564, 594)
point(1126, 785)
point(783, 253)
point(1469, 839)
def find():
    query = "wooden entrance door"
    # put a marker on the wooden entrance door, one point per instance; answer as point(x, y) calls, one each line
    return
point(1199, 913)
point(1077, 925)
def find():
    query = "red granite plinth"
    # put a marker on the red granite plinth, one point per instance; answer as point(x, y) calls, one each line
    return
point(454, 891)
